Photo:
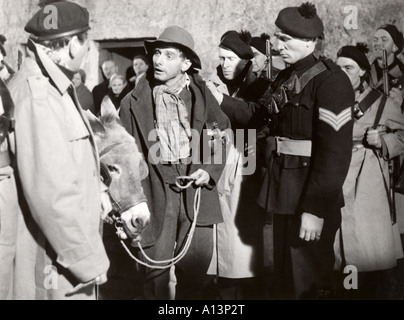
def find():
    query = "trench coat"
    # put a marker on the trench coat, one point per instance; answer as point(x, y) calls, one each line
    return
point(369, 240)
point(58, 243)
point(9, 212)
point(238, 251)
point(137, 115)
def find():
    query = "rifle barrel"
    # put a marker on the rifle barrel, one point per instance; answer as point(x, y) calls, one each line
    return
point(386, 86)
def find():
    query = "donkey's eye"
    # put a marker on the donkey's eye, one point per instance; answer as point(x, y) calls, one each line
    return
point(112, 169)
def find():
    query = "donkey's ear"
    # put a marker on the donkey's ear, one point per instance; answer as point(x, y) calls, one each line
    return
point(95, 123)
point(108, 108)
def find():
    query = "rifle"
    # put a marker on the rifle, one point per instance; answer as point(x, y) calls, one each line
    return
point(392, 163)
point(269, 59)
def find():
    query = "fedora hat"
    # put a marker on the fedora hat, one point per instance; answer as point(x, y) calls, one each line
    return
point(178, 38)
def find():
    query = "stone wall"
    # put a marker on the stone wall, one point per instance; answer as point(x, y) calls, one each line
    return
point(207, 20)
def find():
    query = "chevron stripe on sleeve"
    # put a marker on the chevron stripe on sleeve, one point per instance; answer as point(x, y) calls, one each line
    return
point(335, 121)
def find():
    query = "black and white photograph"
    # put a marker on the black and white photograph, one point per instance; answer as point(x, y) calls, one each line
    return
point(201, 156)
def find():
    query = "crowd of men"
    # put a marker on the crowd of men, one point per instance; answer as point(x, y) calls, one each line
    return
point(324, 138)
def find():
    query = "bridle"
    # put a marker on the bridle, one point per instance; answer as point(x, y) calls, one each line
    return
point(121, 206)
point(118, 206)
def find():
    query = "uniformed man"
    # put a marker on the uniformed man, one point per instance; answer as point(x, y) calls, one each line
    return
point(312, 120)
point(9, 208)
point(59, 247)
point(388, 38)
point(311, 105)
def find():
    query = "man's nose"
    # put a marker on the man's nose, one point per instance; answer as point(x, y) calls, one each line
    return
point(279, 45)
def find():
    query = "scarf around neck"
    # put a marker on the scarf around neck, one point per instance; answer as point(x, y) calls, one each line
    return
point(173, 128)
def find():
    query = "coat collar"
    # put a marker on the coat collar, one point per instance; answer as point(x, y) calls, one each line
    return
point(143, 108)
point(58, 77)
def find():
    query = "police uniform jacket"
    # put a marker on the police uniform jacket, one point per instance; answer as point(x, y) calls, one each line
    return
point(315, 100)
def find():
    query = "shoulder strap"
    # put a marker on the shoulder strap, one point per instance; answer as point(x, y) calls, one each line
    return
point(380, 111)
point(314, 71)
point(370, 99)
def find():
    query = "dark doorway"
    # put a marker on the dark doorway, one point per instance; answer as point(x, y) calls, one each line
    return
point(121, 51)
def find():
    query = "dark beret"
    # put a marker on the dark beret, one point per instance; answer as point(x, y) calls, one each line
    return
point(396, 35)
point(300, 22)
point(236, 42)
point(356, 54)
point(260, 43)
point(72, 19)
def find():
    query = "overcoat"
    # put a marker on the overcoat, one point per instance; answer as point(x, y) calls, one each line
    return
point(58, 243)
point(137, 115)
point(369, 240)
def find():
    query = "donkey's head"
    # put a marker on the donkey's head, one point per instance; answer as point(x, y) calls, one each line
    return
point(123, 167)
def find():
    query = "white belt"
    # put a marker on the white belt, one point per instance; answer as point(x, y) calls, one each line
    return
point(293, 147)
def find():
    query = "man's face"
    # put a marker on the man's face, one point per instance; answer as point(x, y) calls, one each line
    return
point(77, 81)
point(259, 60)
point(109, 69)
point(231, 63)
point(383, 41)
point(292, 49)
point(352, 69)
point(139, 66)
point(169, 64)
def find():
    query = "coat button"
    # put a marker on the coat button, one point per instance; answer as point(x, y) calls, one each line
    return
point(305, 164)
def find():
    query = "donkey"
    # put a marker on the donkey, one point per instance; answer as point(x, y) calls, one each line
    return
point(123, 167)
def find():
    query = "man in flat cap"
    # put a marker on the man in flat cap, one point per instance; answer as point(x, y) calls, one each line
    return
point(59, 247)
point(168, 113)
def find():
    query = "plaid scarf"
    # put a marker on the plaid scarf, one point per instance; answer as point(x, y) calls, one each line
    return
point(173, 127)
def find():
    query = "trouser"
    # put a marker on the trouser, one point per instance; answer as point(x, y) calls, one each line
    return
point(304, 270)
point(9, 211)
point(192, 280)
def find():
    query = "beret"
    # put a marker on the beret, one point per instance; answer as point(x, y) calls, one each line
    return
point(356, 53)
point(237, 42)
point(71, 19)
point(300, 22)
point(396, 35)
point(260, 43)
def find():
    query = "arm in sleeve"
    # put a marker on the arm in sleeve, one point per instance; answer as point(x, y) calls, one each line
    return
point(215, 114)
point(393, 142)
point(332, 144)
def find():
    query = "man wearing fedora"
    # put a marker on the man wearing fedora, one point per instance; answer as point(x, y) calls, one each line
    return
point(60, 253)
point(169, 110)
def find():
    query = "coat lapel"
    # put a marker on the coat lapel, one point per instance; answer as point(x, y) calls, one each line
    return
point(199, 108)
point(142, 109)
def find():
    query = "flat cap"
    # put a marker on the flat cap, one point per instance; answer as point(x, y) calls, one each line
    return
point(58, 20)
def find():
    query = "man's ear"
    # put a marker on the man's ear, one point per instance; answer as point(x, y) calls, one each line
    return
point(361, 72)
point(186, 65)
point(395, 48)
